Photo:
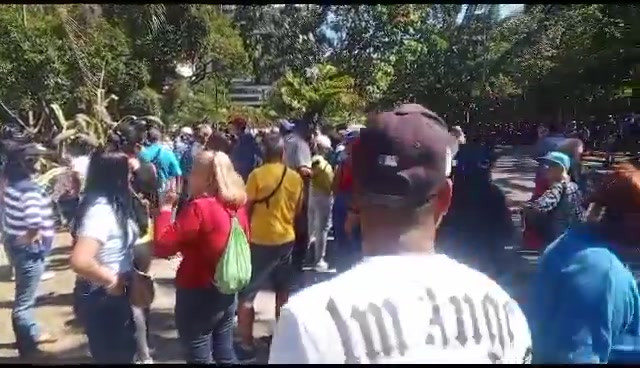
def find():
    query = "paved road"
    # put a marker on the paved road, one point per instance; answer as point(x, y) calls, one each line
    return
point(514, 173)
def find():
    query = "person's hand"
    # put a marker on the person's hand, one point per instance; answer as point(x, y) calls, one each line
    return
point(116, 287)
point(168, 200)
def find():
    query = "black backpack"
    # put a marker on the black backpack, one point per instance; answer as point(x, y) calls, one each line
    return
point(145, 182)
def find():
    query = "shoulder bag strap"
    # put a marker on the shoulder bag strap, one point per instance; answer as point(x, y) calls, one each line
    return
point(268, 197)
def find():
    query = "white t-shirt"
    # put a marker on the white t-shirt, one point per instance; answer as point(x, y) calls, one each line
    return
point(80, 165)
point(406, 309)
point(101, 223)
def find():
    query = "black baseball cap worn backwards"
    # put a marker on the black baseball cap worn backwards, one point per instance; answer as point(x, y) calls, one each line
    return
point(402, 157)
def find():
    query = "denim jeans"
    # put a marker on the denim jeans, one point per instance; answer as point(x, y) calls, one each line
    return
point(204, 320)
point(29, 267)
point(141, 320)
point(78, 291)
point(8, 254)
point(348, 248)
point(108, 323)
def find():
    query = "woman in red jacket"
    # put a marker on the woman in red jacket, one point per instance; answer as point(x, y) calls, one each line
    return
point(204, 316)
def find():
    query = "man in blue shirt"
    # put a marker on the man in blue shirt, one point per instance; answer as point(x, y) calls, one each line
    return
point(164, 160)
point(246, 155)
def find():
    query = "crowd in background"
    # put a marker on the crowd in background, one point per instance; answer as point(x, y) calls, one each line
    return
point(387, 192)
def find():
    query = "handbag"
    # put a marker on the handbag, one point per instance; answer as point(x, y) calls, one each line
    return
point(140, 289)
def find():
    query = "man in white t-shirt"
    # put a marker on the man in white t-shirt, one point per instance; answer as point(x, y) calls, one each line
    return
point(403, 303)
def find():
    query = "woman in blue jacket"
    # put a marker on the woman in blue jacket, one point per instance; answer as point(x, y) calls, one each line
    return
point(585, 306)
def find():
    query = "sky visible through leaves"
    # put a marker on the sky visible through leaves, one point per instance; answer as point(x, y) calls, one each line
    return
point(506, 10)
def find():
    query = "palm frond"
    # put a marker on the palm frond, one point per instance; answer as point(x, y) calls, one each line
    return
point(156, 17)
point(77, 42)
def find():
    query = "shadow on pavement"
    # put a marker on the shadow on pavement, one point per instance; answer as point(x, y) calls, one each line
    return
point(49, 299)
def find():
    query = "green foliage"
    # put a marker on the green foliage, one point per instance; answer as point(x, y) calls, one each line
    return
point(464, 61)
point(33, 59)
point(476, 65)
point(64, 53)
point(144, 101)
point(259, 116)
point(187, 105)
point(320, 88)
point(282, 38)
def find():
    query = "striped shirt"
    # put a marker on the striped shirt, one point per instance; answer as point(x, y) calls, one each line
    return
point(28, 207)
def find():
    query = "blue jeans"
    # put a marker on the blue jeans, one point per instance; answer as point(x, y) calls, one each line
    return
point(349, 249)
point(204, 320)
point(7, 252)
point(108, 323)
point(29, 267)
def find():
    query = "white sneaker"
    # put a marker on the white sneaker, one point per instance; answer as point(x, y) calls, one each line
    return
point(321, 266)
point(148, 361)
point(47, 275)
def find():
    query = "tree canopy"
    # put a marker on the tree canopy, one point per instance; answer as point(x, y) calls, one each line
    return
point(177, 61)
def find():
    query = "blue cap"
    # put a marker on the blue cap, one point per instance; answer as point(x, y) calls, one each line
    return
point(352, 133)
point(557, 158)
point(351, 136)
point(286, 125)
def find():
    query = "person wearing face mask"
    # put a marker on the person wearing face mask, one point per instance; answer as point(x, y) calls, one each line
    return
point(560, 206)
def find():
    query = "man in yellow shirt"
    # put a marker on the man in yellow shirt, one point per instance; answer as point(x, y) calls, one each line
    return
point(274, 192)
point(320, 200)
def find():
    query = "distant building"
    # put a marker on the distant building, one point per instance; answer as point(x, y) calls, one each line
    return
point(245, 92)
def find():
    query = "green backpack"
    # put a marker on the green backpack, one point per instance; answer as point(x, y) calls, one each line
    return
point(234, 268)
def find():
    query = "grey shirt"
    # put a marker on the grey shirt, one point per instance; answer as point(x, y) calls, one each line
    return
point(297, 153)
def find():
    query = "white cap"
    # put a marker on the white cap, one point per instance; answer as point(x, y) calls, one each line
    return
point(355, 128)
point(186, 130)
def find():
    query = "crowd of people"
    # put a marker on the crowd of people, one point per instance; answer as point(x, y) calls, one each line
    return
point(419, 232)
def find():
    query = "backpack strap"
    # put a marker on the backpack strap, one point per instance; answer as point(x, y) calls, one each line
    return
point(155, 161)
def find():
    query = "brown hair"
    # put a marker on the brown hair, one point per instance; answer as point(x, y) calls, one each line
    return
point(619, 191)
point(616, 203)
